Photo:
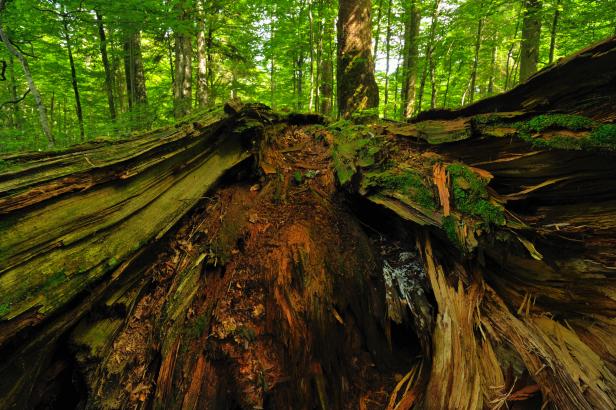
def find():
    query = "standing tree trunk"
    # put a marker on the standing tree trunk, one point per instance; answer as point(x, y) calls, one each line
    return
point(272, 59)
point(299, 62)
point(31, 85)
point(531, 34)
point(508, 70)
point(202, 89)
point(182, 95)
point(476, 60)
point(71, 61)
point(429, 52)
point(51, 110)
point(411, 55)
point(554, 30)
point(183, 75)
point(108, 73)
point(387, 52)
point(492, 69)
point(377, 35)
point(433, 90)
point(13, 93)
point(327, 71)
point(357, 89)
point(133, 66)
point(313, 88)
point(449, 70)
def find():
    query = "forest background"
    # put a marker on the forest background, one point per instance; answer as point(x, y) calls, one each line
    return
point(111, 68)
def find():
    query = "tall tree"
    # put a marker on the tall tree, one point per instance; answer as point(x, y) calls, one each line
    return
point(554, 30)
point(182, 90)
point(69, 49)
point(411, 56)
point(430, 46)
point(326, 91)
point(16, 117)
point(202, 89)
point(387, 56)
point(476, 59)
point(357, 88)
point(133, 68)
point(531, 36)
point(31, 85)
point(108, 73)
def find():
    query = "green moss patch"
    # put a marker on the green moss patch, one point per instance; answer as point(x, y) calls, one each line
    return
point(354, 146)
point(449, 226)
point(470, 195)
point(407, 182)
point(559, 121)
point(4, 309)
point(599, 137)
point(604, 136)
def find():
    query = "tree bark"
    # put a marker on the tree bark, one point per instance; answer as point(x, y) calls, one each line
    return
point(531, 35)
point(357, 88)
point(108, 73)
point(411, 57)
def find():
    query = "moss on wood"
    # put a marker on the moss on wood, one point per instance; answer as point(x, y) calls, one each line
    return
point(471, 197)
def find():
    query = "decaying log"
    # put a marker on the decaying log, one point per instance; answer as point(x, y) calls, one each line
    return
point(252, 260)
point(74, 221)
point(515, 217)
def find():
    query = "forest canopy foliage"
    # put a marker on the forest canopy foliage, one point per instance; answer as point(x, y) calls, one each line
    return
point(108, 68)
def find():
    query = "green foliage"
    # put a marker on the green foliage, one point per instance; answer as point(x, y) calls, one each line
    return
point(260, 50)
point(471, 196)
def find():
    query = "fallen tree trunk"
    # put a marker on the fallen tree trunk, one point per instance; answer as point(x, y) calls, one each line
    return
point(132, 274)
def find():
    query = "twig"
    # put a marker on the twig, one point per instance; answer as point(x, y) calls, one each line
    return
point(17, 101)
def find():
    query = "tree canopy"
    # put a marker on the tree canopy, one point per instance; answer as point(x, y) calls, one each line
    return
point(106, 68)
